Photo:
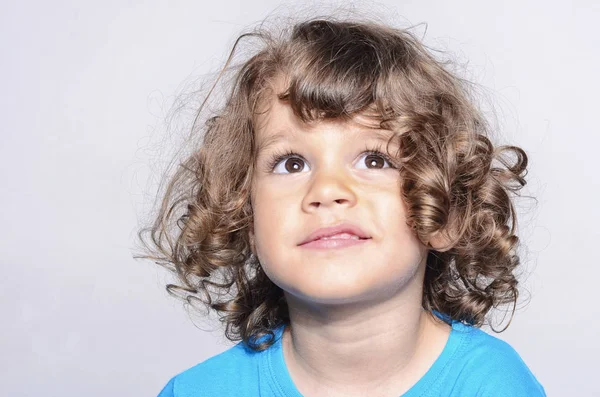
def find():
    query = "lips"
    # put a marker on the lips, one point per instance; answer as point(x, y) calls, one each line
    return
point(345, 228)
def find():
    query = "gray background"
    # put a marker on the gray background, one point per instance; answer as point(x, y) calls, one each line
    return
point(85, 88)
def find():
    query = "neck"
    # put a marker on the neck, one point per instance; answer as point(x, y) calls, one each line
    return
point(356, 348)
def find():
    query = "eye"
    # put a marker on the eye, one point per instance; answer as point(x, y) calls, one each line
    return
point(292, 165)
point(288, 162)
point(375, 160)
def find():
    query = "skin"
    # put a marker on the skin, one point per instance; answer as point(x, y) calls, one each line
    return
point(357, 325)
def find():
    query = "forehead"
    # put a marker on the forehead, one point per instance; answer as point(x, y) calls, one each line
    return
point(276, 122)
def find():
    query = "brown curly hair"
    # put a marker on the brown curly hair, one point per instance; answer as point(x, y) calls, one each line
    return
point(455, 183)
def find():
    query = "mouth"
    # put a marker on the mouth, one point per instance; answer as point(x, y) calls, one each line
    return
point(342, 235)
point(336, 241)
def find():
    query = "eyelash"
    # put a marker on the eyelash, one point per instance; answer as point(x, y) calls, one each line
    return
point(277, 157)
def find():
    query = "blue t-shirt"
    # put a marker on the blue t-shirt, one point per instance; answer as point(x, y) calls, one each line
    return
point(473, 363)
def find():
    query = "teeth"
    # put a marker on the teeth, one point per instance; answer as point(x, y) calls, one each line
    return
point(341, 236)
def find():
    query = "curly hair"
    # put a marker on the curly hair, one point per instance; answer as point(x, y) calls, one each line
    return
point(454, 181)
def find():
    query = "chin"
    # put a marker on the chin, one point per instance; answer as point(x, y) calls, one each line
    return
point(331, 290)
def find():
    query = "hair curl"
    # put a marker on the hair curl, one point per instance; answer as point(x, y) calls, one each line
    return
point(455, 183)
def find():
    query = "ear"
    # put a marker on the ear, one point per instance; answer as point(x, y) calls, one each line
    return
point(440, 241)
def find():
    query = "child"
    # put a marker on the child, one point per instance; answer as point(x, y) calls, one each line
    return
point(350, 221)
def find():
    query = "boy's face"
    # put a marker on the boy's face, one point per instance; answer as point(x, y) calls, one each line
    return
point(331, 181)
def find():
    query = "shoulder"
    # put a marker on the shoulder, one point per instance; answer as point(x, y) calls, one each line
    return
point(232, 370)
point(492, 367)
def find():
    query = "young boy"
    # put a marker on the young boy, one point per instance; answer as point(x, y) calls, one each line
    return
point(350, 221)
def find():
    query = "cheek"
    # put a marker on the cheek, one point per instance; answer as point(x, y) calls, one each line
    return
point(273, 221)
point(398, 239)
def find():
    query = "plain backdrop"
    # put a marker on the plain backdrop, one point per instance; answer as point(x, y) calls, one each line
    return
point(85, 88)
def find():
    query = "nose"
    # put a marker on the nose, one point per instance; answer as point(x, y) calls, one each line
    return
point(329, 188)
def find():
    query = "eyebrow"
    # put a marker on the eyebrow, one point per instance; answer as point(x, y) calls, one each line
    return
point(380, 135)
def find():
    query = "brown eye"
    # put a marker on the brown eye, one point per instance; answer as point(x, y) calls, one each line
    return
point(287, 162)
point(293, 165)
point(375, 161)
